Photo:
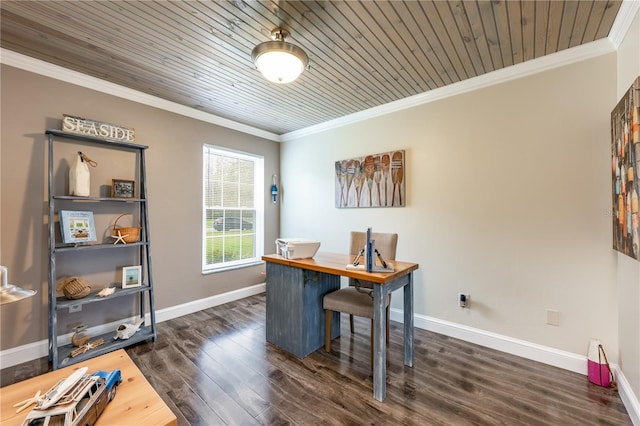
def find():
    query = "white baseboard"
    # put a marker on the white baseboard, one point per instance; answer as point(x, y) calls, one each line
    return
point(31, 351)
point(629, 399)
point(548, 355)
point(545, 354)
point(209, 302)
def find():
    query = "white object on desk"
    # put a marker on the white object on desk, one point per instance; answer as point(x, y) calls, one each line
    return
point(296, 248)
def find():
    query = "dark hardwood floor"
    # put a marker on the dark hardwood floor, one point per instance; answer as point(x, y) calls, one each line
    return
point(214, 367)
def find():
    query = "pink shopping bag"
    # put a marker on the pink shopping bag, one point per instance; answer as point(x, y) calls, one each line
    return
point(598, 368)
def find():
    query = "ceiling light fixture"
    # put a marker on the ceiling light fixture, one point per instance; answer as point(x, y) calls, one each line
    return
point(279, 61)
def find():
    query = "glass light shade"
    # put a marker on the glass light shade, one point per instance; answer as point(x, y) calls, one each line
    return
point(11, 293)
point(278, 61)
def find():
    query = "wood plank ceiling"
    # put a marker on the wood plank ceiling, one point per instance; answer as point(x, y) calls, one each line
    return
point(362, 53)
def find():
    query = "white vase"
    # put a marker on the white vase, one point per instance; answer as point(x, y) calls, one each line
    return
point(79, 177)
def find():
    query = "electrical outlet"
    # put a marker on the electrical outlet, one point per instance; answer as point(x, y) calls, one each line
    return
point(464, 300)
point(75, 308)
point(553, 317)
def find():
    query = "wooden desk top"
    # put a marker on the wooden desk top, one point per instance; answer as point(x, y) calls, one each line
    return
point(336, 264)
point(135, 403)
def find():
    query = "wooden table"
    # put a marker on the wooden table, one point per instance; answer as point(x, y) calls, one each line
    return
point(295, 318)
point(135, 403)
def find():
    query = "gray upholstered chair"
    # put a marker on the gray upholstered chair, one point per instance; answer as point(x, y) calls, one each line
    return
point(357, 298)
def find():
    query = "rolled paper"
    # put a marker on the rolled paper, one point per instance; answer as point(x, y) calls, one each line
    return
point(634, 201)
point(630, 174)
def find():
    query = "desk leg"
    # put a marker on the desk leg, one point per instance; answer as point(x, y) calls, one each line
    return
point(379, 350)
point(408, 322)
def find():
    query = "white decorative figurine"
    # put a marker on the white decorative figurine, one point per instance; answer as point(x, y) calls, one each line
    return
point(79, 176)
point(124, 331)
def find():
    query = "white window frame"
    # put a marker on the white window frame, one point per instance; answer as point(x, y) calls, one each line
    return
point(258, 207)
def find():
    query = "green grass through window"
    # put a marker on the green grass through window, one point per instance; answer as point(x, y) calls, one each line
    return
point(229, 246)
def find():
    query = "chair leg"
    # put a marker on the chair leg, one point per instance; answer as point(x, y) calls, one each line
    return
point(351, 323)
point(328, 316)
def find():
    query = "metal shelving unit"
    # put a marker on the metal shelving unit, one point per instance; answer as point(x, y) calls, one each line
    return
point(60, 355)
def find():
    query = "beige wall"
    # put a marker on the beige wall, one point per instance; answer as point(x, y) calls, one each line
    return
point(628, 270)
point(508, 199)
point(32, 103)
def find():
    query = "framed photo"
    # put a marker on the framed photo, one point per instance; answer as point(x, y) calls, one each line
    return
point(131, 276)
point(77, 226)
point(121, 188)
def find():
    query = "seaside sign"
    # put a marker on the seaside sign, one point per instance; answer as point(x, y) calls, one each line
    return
point(97, 129)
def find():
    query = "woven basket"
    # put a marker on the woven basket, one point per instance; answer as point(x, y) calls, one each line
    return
point(76, 288)
point(132, 233)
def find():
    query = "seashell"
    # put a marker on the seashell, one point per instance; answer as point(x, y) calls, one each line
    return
point(108, 291)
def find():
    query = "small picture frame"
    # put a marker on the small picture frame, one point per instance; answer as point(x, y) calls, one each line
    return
point(77, 226)
point(122, 188)
point(131, 276)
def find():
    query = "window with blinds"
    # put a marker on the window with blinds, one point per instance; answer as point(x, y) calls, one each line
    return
point(233, 204)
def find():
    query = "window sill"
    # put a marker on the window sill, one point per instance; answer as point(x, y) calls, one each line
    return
point(231, 268)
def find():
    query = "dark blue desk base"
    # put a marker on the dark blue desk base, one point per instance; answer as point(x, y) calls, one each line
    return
point(295, 318)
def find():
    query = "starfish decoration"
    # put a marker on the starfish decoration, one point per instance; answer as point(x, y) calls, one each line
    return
point(90, 345)
point(119, 238)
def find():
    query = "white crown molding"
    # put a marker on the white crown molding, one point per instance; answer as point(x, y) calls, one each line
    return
point(623, 21)
point(545, 63)
point(534, 66)
point(47, 69)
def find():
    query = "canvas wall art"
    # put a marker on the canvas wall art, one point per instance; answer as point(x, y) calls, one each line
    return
point(625, 169)
point(376, 180)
